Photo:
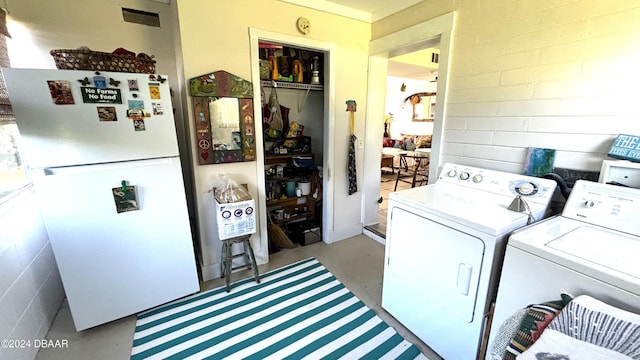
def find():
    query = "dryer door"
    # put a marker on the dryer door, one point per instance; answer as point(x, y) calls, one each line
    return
point(437, 264)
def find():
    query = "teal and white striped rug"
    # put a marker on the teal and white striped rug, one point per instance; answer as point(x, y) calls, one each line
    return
point(298, 311)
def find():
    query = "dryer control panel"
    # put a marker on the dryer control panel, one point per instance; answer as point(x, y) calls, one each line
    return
point(533, 189)
point(610, 206)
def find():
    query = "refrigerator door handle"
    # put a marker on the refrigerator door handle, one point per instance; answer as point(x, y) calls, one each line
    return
point(105, 166)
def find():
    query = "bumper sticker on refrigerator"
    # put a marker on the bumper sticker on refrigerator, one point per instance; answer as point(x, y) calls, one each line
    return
point(91, 95)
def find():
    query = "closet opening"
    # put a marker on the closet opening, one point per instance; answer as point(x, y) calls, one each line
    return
point(293, 162)
point(292, 105)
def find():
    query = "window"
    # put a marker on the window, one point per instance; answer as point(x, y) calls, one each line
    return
point(13, 174)
point(12, 171)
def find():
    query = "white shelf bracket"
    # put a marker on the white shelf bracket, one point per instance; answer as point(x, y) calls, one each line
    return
point(304, 100)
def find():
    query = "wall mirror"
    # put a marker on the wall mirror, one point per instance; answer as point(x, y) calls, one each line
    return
point(223, 115)
point(423, 106)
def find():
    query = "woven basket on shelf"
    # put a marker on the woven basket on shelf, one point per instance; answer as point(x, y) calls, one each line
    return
point(94, 60)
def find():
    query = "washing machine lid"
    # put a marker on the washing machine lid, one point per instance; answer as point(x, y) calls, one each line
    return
point(598, 252)
point(615, 251)
point(480, 210)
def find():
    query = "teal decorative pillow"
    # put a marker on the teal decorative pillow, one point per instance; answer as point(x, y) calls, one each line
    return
point(409, 145)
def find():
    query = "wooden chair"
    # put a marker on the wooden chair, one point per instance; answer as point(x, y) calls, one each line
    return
point(413, 170)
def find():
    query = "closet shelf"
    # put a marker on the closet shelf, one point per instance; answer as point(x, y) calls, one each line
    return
point(292, 85)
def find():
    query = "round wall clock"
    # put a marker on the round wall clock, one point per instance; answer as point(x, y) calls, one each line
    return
point(304, 25)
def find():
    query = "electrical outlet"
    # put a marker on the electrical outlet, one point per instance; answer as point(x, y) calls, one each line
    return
point(571, 175)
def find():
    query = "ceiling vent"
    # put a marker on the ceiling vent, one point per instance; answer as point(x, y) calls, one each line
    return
point(141, 17)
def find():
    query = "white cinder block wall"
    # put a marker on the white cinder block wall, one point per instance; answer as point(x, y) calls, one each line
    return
point(557, 74)
point(30, 287)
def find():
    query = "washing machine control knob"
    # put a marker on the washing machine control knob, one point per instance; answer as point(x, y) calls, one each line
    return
point(477, 178)
point(589, 204)
point(451, 173)
point(464, 175)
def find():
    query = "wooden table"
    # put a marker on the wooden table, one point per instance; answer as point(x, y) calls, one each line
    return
point(387, 161)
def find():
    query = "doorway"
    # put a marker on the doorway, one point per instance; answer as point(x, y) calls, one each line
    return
point(411, 71)
point(435, 31)
point(327, 146)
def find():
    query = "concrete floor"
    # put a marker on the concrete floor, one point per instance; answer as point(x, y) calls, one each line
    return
point(357, 262)
point(387, 185)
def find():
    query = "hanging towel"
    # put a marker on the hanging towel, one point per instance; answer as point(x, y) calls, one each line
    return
point(353, 183)
point(351, 166)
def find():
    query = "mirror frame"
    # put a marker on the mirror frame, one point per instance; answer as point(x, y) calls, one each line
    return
point(219, 84)
point(420, 98)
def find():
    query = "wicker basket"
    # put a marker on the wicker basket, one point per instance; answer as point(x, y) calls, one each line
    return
point(94, 60)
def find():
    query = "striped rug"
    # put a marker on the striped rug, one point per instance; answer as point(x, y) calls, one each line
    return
point(298, 311)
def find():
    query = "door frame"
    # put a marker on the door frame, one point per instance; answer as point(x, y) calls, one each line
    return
point(380, 50)
point(256, 35)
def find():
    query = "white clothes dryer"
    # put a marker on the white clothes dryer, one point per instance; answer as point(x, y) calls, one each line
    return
point(591, 249)
point(444, 248)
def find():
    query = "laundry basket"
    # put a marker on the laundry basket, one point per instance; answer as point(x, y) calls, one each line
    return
point(70, 59)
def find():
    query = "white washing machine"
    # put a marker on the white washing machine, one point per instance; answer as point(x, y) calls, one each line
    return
point(444, 249)
point(591, 249)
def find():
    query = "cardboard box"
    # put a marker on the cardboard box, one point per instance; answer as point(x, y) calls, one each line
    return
point(235, 219)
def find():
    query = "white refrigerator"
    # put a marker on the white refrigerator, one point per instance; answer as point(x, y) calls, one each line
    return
point(103, 154)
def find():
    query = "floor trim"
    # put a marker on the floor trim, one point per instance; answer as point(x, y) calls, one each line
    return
point(375, 235)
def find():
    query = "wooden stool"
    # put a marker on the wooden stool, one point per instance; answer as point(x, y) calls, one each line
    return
point(228, 256)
